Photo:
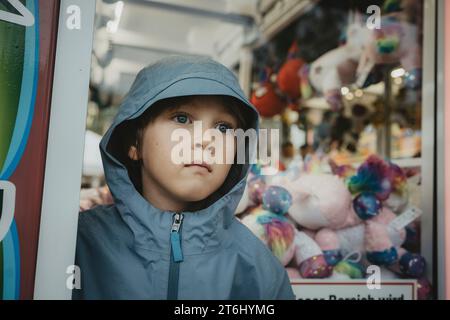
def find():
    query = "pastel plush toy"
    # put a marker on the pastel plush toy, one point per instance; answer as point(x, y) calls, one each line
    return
point(338, 67)
point(309, 257)
point(274, 230)
point(380, 242)
point(269, 223)
point(359, 238)
point(387, 182)
point(321, 200)
point(343, 225)
point(395, 41)
point(373, 184)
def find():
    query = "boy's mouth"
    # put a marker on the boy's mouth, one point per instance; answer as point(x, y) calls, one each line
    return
point(202, 165)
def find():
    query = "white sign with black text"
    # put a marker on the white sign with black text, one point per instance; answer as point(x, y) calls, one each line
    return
point(354, 290)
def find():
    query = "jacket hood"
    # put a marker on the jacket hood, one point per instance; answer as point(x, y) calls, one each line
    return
point(169, 77)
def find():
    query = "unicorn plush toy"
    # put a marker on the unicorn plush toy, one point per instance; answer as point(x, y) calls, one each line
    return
point(396, 41)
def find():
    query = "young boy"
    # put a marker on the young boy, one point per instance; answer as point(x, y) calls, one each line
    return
point(171, 233)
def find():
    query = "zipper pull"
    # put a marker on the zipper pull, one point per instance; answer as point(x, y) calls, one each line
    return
point(175, 239)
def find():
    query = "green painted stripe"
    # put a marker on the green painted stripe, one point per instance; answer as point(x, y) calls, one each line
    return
point(12, 47)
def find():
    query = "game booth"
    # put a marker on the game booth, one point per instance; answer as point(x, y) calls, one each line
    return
point(357, 206)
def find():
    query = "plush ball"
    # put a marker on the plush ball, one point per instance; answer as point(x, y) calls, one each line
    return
point(412, 265)
point(366, 205)
point(332, 257)
point(277, 200)
point(273, 230)
point(315, 267)
point(383, 258)
point(256, 188)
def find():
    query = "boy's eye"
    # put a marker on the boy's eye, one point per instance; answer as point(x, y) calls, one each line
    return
point(223, 127)
point(181, 118)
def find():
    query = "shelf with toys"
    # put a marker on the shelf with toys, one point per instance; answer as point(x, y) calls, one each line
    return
point(355, 187)
point(338, 224)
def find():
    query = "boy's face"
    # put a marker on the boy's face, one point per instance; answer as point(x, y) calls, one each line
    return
point(171, 186)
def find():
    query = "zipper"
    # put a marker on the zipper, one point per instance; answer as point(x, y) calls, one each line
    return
point(176, 256)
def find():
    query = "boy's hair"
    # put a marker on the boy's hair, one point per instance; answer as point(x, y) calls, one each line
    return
point(130, 133)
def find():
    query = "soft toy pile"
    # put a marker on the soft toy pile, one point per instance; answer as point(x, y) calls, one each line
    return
point(337, 224)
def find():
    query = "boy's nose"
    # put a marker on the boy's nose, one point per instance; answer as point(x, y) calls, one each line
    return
point(203, 137)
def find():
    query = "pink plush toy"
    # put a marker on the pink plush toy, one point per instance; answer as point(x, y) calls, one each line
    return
point(321, 200)
point(323, 203)
point(337, 67)
point(375, 237)
point(395, 41)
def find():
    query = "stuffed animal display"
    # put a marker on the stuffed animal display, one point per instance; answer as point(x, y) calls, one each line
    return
point(335, 225)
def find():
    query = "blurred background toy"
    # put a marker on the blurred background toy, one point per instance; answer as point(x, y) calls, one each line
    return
point(265, 98)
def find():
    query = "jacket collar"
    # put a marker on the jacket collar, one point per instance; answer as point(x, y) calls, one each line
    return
point(202, 230)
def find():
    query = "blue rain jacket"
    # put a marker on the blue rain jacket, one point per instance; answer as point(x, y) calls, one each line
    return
point(129, 250)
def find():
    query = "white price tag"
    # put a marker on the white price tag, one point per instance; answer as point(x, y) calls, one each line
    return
point(406, 217)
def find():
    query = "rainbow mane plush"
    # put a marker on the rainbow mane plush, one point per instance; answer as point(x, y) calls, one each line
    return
point(377, 181)
point(373, 176)
point(279, 233)
point(274, 230)
point(377, 176)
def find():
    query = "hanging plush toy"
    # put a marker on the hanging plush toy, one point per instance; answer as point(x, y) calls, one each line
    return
point(266, 99)
point(337, 67)
point(288, 78)
point(395, 41)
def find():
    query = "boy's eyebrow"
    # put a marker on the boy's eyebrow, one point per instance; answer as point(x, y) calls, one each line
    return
point(226, 110)
point(172, 109)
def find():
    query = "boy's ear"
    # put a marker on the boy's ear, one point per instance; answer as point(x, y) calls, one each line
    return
point(133, 153)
